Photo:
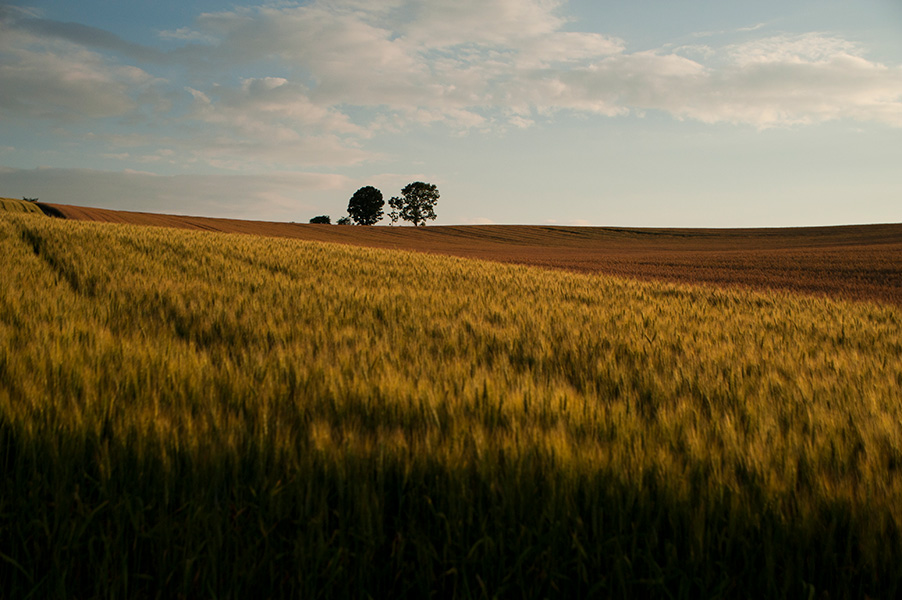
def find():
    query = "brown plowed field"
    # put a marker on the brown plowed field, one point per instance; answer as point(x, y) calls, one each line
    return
point(861, 262)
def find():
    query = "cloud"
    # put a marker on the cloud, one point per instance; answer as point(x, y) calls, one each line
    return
point(283, 84)
point(273, 121)
point(185, 34)
point(564, 47)
point(776, 81)
point(434, 56)
point(52, 77)
point(789, 80)
point(262, 105)
point(702, 34)
point(83, 35)
point(457, 62)
point(252, 155)
point(446, 23)
point(790, 49)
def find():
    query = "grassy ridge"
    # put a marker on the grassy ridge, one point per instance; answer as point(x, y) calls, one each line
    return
point(851, 262)
point(186, 414)
point(18, 206)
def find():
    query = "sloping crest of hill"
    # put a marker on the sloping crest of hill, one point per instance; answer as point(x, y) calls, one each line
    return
point(860, 262)
point(13, 205)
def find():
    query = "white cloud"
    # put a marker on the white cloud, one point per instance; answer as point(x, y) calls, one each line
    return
point(777, 81)
point(272, 121)
point(787, 49)
point(64, 81)
point(185, 34)
point(443, 23)
point(285, 85)
point(702, 34)
point(348, 57)
point(435, 55)
point(455, 62)
point(520, 122)
point(786, 80)
point(265, 106)
point(161, 156)
point(567, 47)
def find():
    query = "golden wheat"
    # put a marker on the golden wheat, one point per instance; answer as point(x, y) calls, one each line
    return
point(386, 412)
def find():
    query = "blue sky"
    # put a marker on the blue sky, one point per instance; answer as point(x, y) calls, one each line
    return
point(640, 113)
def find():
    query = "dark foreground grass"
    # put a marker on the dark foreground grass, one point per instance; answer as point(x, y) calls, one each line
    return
point(94, 517)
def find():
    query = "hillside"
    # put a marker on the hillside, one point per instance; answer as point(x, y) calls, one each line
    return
point(18, 206)
point(861, 262)
point(189, 414)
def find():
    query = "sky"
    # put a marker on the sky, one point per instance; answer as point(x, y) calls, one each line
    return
point(644, 113)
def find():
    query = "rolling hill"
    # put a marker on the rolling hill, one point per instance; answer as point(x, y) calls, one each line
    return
point(857, 262)
point(192, 414)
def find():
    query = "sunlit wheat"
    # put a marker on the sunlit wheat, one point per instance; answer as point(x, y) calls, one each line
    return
point(190, 414)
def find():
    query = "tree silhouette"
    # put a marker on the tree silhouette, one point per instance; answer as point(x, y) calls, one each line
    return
point(365, 206)
point(416, 203)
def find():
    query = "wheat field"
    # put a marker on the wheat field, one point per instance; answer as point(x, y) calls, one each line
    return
point(188, 414)
point(10, 205)
point(851, 262)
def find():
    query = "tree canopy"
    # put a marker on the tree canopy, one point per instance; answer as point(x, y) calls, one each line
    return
point(365, 206)
point(416, 203)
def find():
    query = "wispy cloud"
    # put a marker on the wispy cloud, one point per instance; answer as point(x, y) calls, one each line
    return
point(185, 34)
point(755, 27)
point(64, 81)
point(311, 83)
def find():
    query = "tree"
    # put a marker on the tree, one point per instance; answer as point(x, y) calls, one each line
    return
point(365, 206)
point(344, 221)
point(323, 219)
point(416, 203)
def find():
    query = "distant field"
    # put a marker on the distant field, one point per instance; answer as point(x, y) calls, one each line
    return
point(862, 262)
point(187, 414)
point(20, 206)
